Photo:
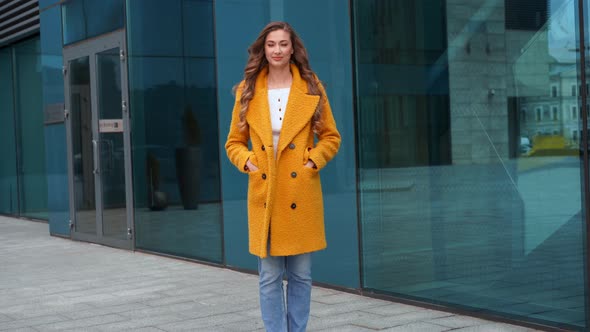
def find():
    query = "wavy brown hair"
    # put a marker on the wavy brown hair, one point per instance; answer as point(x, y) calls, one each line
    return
point(257, 62)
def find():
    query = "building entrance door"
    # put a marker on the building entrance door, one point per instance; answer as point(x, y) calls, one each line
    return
point(101, 208)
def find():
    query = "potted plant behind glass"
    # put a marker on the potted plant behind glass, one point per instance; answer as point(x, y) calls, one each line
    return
point(188, 161)
point(157, 199)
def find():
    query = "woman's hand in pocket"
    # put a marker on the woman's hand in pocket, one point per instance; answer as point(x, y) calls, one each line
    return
point(310, 164)
point(251, 166)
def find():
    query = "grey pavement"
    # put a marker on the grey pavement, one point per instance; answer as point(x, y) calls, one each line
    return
point(53, 284)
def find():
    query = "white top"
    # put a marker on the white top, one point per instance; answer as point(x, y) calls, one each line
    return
point(277, 102)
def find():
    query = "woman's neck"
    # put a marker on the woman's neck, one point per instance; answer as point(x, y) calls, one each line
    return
point(279, 78)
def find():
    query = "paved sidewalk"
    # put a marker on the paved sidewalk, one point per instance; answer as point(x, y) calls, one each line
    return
point(53, 284)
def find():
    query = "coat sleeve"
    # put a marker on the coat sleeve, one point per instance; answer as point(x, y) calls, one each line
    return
point(328, 137)
point(236, 145)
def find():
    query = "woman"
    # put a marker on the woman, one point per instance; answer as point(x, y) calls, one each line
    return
point(280, 106)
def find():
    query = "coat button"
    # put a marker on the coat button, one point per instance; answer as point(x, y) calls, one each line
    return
point(265, 205)
point(293, 206)
point(263, 148)
point(294, 174)
point(291, 146)
point(263, 176)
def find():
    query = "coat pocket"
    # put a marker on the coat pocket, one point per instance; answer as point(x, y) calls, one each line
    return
point(257, 184)
point(306, 154)
point(254, 160)
point(310, 171)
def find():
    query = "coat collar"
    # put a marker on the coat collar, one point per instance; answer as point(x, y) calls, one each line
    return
point(300, 109)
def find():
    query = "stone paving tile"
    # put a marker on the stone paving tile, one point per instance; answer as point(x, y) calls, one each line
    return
point(204, 323)
point(204, 310)
point(356, 317)
point(29, 322)
point(180, 299)
point(25, 329)
point(78, 314)
point(334, 298)
point(40, 309)
point(403, 319)
point(63, 301)
point(144, 290)
point(319, 291)
point(23, 295)
point(252, 312)
point(80, 324)
point(149, 311)
point(322, 310)
point(231, 301)
point(343, 328)
point(5, 318)
point(146, 329)
point(418, 327)
point(115, 288)
point(192, 289)
point(11, 300)
point(392, 309)
point(120, 300)
point(251, 324)
point(457, 321)
point(131, 324)
point(244, 286)
point(494, 327)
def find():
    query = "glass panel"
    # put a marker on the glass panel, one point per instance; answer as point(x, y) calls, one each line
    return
point(30, 130)
point(174, 123)
point(470, 179)
point(82, 150)
point(83, 19)
point(8, 182)
point(166, 37)
point(198, 42)
point(231, 45)
point(55, 133)
point(47, 3)
point(112, 152)
point(324, 27)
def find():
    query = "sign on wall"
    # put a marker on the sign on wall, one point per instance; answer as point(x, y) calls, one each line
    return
point(110, 126)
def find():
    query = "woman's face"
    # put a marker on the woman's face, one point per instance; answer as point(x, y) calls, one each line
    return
point(278, 48)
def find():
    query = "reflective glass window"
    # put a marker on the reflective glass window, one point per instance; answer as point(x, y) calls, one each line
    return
point(84, 19)
point(8, 181)
point(55, 133)
point(463, 201)
point(23, 178)
point(144, 38)
point(173, 104)
point(28, 96)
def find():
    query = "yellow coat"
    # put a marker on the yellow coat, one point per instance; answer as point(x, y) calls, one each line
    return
point(284, 197)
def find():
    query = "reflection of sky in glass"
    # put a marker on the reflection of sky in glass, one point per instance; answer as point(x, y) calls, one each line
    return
point(562, 30)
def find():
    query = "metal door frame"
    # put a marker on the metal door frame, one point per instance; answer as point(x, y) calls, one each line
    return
point(90, 48)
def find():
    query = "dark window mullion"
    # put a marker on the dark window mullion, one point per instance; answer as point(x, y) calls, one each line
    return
point(17, 133)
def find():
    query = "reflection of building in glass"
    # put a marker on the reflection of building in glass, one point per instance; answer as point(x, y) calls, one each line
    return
point(557, 112)
point(451, 98)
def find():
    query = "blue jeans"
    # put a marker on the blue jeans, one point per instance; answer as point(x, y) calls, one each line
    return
point(278, 316)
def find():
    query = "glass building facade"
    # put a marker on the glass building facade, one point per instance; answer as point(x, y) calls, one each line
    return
point(462, 179)
point(23, 176)
point(470, 178)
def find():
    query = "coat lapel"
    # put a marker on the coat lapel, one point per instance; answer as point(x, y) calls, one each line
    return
point(299, 111)
point(258, 114)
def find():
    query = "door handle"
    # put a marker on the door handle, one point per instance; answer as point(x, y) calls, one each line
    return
point(95, 156)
